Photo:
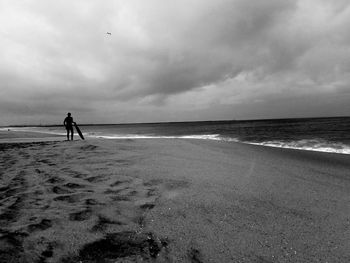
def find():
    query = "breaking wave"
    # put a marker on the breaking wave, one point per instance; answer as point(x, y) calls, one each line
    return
point(308, 145)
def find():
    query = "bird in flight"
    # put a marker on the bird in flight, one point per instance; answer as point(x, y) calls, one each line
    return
point(109, 33)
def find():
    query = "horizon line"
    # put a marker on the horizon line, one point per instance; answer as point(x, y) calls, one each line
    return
point(169, 122)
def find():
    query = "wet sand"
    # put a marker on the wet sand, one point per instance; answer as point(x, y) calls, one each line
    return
point(171, 200)
point(11, 136)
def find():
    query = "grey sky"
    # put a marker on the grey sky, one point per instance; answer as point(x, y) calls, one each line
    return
point(173, 60)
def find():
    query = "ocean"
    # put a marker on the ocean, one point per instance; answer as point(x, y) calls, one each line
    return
point(312, 134)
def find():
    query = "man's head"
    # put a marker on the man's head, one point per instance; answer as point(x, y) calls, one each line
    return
point(69, 114)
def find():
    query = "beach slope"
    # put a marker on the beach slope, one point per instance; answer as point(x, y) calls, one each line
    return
point(171, 200)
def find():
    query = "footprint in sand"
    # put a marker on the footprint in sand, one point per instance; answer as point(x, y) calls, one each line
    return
point(194, 255)
point(89, 147)
point(11, 246)
point(152, 192)
point(125, 194)
point(91, 201)
point(60, 190)
point(125, 246)
point(38, 171)
point(74, 186)
point(94, 179)
point(103, 223)
point(55, 180)
point(47, 161)
point(48, 252)
point(74, 198)
point(119, 183)
point(73, 173)
point(80, 216)
point(147, 206)
point(113, 192)
point(42, 225)
point(12, 212)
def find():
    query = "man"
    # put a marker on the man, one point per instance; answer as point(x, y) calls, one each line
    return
point(68, 123)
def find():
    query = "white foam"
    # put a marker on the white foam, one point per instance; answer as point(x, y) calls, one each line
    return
point(309, 145)
point(134, 136)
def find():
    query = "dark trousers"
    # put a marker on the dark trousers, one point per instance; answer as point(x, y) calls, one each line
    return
point(70, 129)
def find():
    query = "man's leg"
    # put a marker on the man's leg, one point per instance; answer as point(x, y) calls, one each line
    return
point(67, 134)
point(72, 133)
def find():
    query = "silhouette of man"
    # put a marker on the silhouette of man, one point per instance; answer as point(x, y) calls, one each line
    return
point(68, 123)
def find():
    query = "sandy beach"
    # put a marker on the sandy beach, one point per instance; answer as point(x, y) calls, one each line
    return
point(170, 200)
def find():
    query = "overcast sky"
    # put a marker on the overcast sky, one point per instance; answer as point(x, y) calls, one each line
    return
point(173, 60)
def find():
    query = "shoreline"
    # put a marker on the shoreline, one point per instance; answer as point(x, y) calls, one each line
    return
point(27, 137)
point(172, 201)
point(38, 136)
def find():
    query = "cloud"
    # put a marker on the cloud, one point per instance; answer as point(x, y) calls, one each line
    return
point(185, 56)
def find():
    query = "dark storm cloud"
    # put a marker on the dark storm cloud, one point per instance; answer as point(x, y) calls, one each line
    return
point(182, 56)
point(217, 44)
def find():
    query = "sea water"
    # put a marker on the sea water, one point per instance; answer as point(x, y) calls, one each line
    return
point(315, 134)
